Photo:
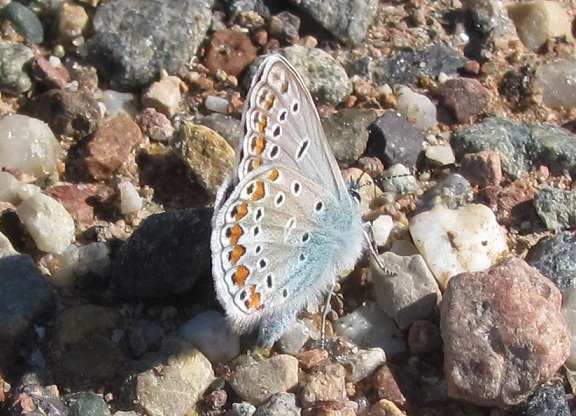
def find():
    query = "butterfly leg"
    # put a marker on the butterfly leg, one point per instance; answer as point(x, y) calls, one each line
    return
point(325, 311)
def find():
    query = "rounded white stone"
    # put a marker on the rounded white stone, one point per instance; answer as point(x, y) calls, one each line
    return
point(28, 144)
point(48, 222)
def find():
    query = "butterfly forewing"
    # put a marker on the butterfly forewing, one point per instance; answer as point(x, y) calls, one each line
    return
point(282, 126)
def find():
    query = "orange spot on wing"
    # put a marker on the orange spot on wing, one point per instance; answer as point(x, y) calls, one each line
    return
point(240, 211)
point(255, 164)
point(262, 123)
point(254, 301)
point(269, 102)
point(234, 233)
point(240, 275)
point(259, 191)
point(274, 174)
point(259, 144)
point(237, 253)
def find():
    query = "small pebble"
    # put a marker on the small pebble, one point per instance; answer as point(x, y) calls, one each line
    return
point(130, 200)
point(48, 222)
point(164, 95)
point(416, 108)
point(216, 104)
point(539, 21)
point(28, 144)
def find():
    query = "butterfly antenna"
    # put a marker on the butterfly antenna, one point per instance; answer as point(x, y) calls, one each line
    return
point(418, 172)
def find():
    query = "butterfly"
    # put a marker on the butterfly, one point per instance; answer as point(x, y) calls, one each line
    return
point(285, 223)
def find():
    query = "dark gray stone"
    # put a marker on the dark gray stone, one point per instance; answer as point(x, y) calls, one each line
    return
point(407, 67)
point(346, 20)
point(556, 208)
point(509, 138)
point(549, 400)
point(347, 133)
point(165, 256)
point(554, 147)
point(24, 295)
point(264, 8)
point(393, 139)
point(452, 192)
point(521, 147)
point(86, 403)
point(554, 257)
point(279, 404)
point(134, 39)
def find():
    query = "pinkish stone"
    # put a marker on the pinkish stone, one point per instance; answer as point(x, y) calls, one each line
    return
point(504, 334)
point(482, 168)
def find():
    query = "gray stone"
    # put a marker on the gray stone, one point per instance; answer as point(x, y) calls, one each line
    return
point(521, 147)
point(24, 295)
point(549, 400)
point(280, 404)
point(13, 58)
point(509, 138)
point(409, 293)
point(133, 40)
point(347, 132)
point(407, 67)
point(86, 403)
point(322, 74)
point(166, 255)
point(347, 20)
point(256, 382)
point(393, 139)
point(554, 147)
point(556, 208)
point(452, 192)
point(554, 257)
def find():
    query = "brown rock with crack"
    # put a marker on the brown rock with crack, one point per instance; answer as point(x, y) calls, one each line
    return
point(504, 334)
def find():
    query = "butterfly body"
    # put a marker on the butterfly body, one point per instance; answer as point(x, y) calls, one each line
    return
point(284, 224)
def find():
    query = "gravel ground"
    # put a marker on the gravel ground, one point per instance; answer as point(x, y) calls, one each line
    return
point(119, 123)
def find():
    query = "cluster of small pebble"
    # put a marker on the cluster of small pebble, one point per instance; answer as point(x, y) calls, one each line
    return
point(120, 121)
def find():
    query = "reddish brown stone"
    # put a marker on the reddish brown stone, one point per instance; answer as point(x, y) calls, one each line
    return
point(155, 125)
point(46, 75)
point(504, 334)
point(312, 358)
point(512, 204)
point(464, 97)
point(482, 168)
point(387, 387)
point(231, 51)
point(110, 146)
point(78, 199)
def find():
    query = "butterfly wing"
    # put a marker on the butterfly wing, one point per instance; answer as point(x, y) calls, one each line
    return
point(282, 125)
point(284, 224)
point(280, 239)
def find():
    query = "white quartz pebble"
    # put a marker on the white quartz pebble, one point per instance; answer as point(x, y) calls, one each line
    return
point(48, 222)
point(28, 144)
point(467, 239)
